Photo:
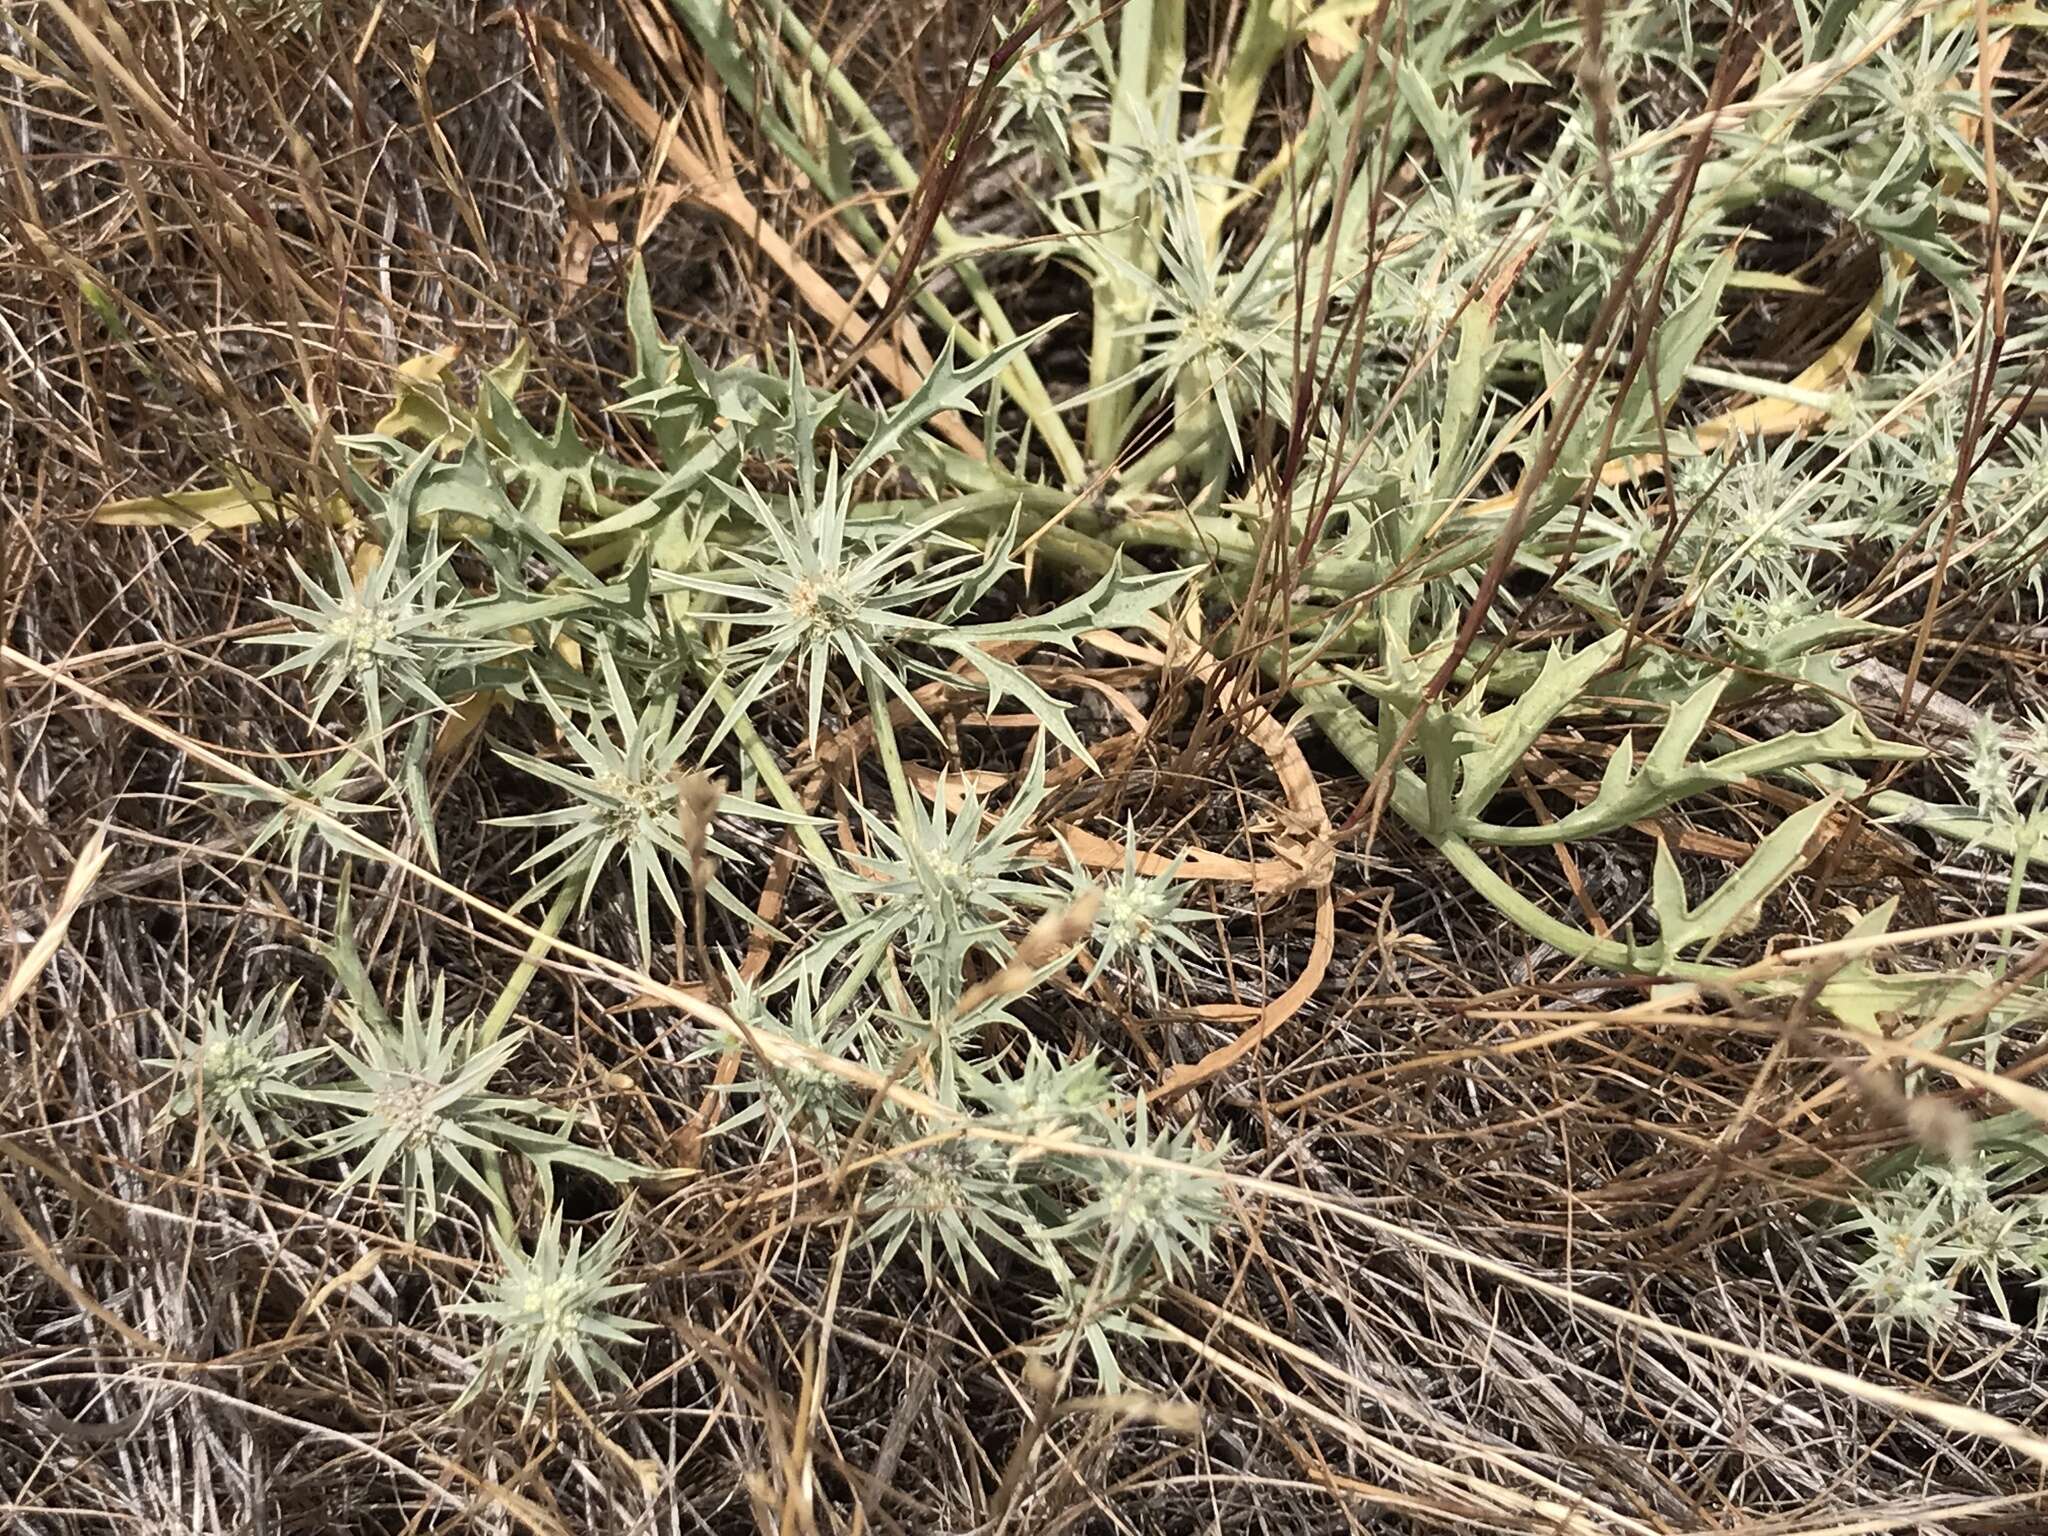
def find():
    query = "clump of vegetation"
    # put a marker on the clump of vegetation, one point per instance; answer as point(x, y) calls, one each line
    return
point(975, 726)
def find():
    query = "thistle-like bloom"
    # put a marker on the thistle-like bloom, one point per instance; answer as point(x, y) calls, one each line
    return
point(1154, 1204)
point(1043, 93)
point(948, 882)
point(234, 1076)
point(951, 1197)
point(403, 628)
point(418, 1100)
point(624, 801)
point(631, 795)
point(550, 1307)
point(1142, 924)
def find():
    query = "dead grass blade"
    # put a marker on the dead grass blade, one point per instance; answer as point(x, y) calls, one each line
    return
point(1317, 857)
point(91, 859)
point(722, 196)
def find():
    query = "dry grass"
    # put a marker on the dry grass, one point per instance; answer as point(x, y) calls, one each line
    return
point(1517, 1250)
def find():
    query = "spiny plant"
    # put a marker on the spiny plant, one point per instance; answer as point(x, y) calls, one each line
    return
point(1389, 410)
point(1143, 928)
point(234, 1076)
point(553, 1307)
point(1929, 1238)
point(417, 1100)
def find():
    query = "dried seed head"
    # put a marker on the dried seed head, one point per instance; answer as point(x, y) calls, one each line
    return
point(697, 797)
point(1941, 1128)
point(1050, 937)
point(1060, 930)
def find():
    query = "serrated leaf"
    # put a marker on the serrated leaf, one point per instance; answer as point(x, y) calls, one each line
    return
point(1670, 754)
point(1776, 858)
point(461, 498)
point(1121, 599)
point(1680, 338)
point(1007, 680)
point(1443, 128)
point(711, 458)
point(1444, 739)
point(1496, 56)
point(945, 388)
point(1465, 386)
point(1507, 734)
point(1917, 232)
point(1856, 994)
point(549, 465)
point(1620, 770)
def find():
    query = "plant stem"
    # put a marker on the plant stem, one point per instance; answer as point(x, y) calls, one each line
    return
point(514, 990)
point(1144, 111)
point(807, 835)
point(493, 1028)
point(887, 746)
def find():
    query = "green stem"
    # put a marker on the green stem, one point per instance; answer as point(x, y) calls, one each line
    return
point(1345, 727)
point(808, 837)
point(493, 1028)
point(889, 749)
point(1144, 110)
point(1261, 39)
point(514, 990)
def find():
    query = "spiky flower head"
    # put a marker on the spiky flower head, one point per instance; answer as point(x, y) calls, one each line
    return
point(1156, 1201)
point(950, 1195)
point(1044, 90)
point(401, 626)
point(1987, 770)
point(235, 1076)
point(1048, 1099)
point(949, 881)
point(800, 1100)
point(418, 1100)
point(1903, 1294)
point(622, 786)
point(1142, 927)
point(631, 797)
point(551, 1307)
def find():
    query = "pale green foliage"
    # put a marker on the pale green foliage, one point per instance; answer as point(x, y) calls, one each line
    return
point(1987, 771)
point(1064, 1181)
point(622, 785)
point(1143, 928)
point(1156, 1201)
point(823, 595)
point(1315, 378)
point(1047, 1100)
point(330, 792)
point(1050, 83)
point(622, 800)
point(553, 1308)
point(417, 1101)
point(404, 630)
point(235, 1076)
point(1211, 328)
point(945, 883)
point(951, 1198)
point(801, 1102)
point(1945, 1228)
point(380, 635)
